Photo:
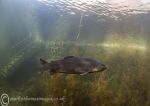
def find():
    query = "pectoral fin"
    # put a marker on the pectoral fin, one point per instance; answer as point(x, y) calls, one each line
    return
point(84, 73)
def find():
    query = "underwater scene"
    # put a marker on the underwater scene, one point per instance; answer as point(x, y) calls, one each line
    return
point(74, 53)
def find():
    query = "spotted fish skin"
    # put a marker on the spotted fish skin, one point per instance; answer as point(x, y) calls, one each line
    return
point(72, 65)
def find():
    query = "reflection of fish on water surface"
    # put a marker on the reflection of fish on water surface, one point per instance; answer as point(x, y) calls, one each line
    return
point(72, 65)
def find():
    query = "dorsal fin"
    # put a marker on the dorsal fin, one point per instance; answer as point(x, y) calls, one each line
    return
point(68, 57)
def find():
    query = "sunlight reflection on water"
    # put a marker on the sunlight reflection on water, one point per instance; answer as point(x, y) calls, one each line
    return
point(110, 8)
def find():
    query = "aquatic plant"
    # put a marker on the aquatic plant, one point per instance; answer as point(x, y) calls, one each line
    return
point(125, 83)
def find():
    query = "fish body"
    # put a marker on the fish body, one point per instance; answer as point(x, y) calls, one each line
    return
point(73, 65)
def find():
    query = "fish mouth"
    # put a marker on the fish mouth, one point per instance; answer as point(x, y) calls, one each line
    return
point(100, 69)
point(104, 68)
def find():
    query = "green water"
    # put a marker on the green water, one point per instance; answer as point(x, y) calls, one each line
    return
point(115, 32)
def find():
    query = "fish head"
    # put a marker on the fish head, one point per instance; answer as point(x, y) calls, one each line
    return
point(45, 66)
point(98, 67)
